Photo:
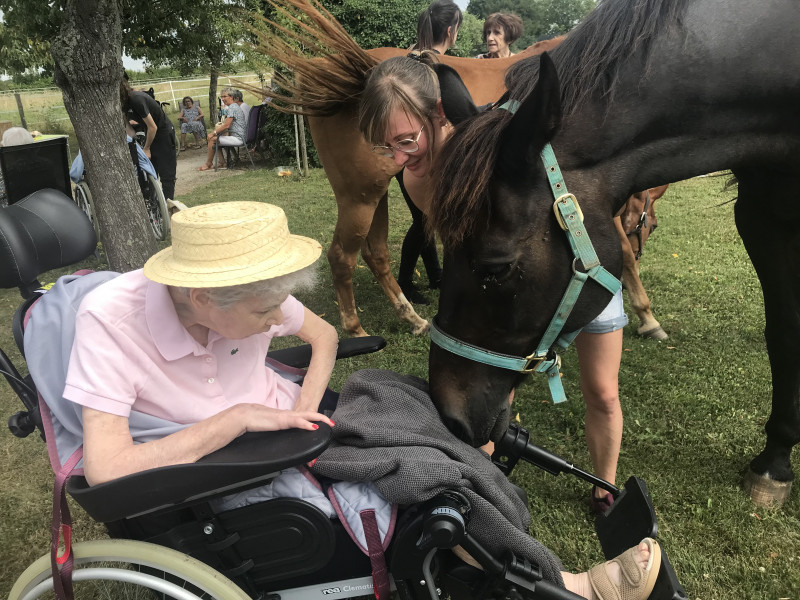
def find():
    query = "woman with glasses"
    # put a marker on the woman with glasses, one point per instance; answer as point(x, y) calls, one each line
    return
point(233, 123)
point(401, 115)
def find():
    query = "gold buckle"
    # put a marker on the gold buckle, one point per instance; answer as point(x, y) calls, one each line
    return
point(558, 214)
point(531, 360)
point(537, 360)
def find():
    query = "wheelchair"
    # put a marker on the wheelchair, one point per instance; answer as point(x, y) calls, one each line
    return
point(154, 200)
point(166, 537)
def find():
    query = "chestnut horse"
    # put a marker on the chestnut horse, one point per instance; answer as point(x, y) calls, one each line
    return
point(641, 93)
point(634, 226)
point(359, 178)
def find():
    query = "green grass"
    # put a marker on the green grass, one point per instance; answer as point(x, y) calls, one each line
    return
point(695, 405)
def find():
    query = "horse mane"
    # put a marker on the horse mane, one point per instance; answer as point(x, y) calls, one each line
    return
point(326, 68)
point(599, 45)
point(464, 168)
point(590, 58)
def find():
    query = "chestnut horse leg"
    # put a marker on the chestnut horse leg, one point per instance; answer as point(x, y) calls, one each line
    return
point(375, 251)
point(771, 235)
point(649, 326)
point(360, 184)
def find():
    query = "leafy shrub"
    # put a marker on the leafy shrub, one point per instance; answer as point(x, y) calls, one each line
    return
point(280, 135)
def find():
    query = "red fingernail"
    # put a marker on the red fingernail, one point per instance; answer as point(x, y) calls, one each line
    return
point(311, 464)
point(333, 422)
point(315, 426)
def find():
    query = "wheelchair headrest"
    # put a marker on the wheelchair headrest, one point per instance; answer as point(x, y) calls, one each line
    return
point(43, 231)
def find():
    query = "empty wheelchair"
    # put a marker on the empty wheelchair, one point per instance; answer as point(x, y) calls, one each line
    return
point(169, 538)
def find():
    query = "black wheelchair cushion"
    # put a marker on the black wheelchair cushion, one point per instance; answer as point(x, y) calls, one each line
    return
point(43, 231)
point(248, 461)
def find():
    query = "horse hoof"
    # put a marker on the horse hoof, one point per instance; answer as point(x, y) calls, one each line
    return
point(765, 491)
point(421, 328)
point(654, 334)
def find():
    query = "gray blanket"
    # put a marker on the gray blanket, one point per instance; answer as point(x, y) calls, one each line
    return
point(388, 432)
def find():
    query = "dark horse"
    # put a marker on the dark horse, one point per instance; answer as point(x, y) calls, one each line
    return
point(642, 93)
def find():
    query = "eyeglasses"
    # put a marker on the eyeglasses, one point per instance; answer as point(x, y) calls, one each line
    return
point(408, 146)
point(225, 96)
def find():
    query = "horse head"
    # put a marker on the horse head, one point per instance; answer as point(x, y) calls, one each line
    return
point(507, 260)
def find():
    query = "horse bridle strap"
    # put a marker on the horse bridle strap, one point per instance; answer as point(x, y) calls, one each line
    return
point(545, 359)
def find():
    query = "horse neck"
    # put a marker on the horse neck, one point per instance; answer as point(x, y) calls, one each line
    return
point(699, 103)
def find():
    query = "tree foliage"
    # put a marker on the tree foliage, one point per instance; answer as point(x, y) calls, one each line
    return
point(542, 18)
point(379, 23)
point(470, 37)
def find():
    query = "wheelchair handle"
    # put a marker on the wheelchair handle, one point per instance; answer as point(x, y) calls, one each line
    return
point(515, 445)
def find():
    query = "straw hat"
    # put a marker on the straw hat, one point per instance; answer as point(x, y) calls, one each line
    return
point(230, 243)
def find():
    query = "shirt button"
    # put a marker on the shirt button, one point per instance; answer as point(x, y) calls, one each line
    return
point(209, 359)
point(210, 380)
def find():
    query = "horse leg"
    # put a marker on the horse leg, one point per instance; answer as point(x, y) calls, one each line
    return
point(772, 240)
point(351, 230)
point(375, 251)
point(649, 327)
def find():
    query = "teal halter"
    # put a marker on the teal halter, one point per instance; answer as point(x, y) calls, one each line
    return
point(545, 358)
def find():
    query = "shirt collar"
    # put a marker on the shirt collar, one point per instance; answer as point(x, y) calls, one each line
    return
point(171, 338)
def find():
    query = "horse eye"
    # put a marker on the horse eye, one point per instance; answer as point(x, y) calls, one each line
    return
point(494, 272)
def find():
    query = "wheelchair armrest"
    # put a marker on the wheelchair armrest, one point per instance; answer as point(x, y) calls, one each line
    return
point(249, 460)
point(300, 356)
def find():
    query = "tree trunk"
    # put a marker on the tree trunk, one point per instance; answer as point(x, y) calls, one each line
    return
point(212, 95)
point(303, 150)
point(88, 69)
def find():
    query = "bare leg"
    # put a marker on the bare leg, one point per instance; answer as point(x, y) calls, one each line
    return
point(599, 356)
point(212, 139)
point(183, 141)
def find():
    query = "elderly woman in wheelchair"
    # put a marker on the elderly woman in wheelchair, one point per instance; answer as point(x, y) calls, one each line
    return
point(166, 386)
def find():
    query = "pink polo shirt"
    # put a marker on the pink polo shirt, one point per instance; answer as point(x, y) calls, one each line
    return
point(131, 352)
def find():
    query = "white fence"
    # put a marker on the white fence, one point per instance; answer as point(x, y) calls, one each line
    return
point(43, 109)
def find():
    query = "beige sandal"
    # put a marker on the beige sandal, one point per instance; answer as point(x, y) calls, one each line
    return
point(635, 583)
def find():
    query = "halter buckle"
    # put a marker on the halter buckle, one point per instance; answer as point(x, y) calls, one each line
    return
point(563, 200)
point(533, 361)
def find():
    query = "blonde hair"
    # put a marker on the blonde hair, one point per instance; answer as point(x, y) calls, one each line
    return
point(407, 83)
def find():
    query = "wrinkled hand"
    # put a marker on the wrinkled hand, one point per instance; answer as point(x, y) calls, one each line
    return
point(257, 417)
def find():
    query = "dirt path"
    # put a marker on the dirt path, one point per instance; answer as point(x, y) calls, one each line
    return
point(188, 177)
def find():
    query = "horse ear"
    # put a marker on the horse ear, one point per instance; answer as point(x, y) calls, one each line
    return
point(456, 100)
point(538, 117)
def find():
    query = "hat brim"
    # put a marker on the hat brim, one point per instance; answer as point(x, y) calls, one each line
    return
point(300, 252)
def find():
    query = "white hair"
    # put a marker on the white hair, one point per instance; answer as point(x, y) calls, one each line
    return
point(16, 136)
point(277, 287)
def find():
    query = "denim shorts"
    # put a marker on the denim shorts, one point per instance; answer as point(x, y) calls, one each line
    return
point(612, 318)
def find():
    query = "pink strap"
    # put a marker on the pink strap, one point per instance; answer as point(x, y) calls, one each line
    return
point(61, 565)
point(380, 574)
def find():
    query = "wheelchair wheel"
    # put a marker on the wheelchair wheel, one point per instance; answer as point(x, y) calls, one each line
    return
point(83, 198)
point(126, 569)
point(157, 211)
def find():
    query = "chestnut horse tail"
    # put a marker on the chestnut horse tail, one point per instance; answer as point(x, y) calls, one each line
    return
point(314, 48)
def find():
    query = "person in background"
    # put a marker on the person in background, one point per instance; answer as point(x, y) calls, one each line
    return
point(239, 99)
point(190, 121)
point(233, 123)
point(437, 28)
point(500, 30)
point(13, 136)
point(159, 146)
